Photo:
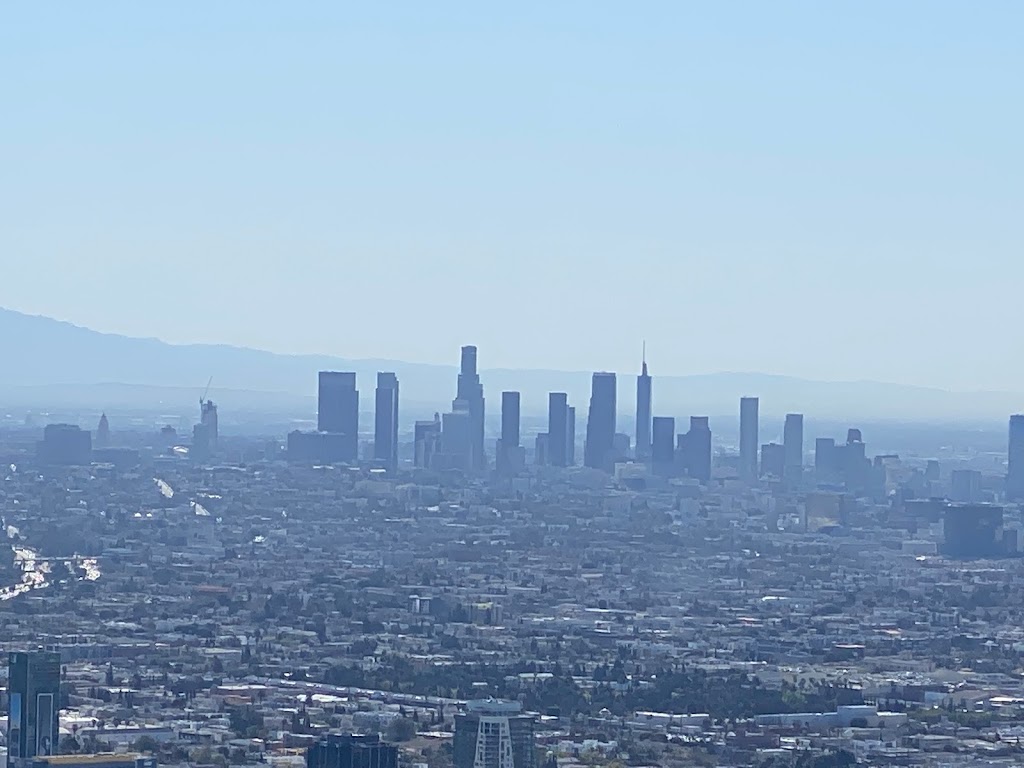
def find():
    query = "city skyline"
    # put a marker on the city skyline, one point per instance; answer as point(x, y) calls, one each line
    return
point(544, 385)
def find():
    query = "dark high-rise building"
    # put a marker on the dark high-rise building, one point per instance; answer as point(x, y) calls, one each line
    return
point(696, 449)
point(33, 706)
point(570, 436)
point(426, 440)
point(540, 449)
point(773, 460)
point(457, 438)
point(663, 445)
point(385, 422)
point(510, 419)
point(471, 392)
point(793, 439)
point(965, 485)
point(338, 410)
point(65, 444)
point(643, 412)
point(494, 734)
point(972, 530)
point(748, 436)
point(1015, 459)
point(348, 751)
point(599, 446)
point(510, 456)
point(826, 457)
point(558, 429)
point(208, 421)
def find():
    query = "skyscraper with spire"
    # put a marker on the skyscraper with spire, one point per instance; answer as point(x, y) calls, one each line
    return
point(643, 411)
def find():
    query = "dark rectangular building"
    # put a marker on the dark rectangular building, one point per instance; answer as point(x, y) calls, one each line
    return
point(599, 445)
point(33, 706)
point(510, 457)
point(773, 460)
point(385, 426)
point(972, 530)
point(338, 408)
point(558, 429)
point(350, 751)
point(65, 445)
point(696, 449)
point(748, 436)
point(663, 445)
point(1015, 459)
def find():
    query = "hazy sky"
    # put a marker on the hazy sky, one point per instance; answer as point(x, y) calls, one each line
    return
point(824, 189)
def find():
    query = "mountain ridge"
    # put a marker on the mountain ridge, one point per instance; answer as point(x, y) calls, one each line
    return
point(41, 352)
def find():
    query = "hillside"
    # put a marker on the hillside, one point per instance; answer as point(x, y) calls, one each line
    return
point(45, 361)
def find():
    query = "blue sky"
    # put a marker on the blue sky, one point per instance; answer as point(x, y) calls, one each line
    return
point(830, 190)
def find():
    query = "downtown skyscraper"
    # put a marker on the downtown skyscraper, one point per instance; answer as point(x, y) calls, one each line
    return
point(510, 456)
point(793, 440)
point(559, 440)
point(599, 445)
point(470, 398)
point(1015, 459)
point(385, 427)
point(748, 437)
point(338, 410)
point(643, 412)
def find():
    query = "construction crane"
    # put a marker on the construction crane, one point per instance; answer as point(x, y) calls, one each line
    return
point(206, 391)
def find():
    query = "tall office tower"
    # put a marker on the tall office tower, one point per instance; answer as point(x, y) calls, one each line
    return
point(457, 438)
point(33, 706)
point(826, 459)
point(338, 410)
point(773, 460)
point(558, 429)
point(385, 421)
point(208, 420)
point(1015, 459)
point(426, 440)
point(748, 437)
point(471, 391)
point(103, 432)
point(697, 449)
point(336, 750)
point(663, 445)
point(599, 445)
point(965, 485)
point(540, 449)
point(570, 436)
point(510, 456)
point(510, 419)
point(494, 734)
point(643, 412)
point(793, 439)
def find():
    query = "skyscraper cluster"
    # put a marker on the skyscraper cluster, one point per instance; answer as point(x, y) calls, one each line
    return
point(455, 440)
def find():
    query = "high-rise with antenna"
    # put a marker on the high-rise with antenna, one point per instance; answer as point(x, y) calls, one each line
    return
point(643, 410)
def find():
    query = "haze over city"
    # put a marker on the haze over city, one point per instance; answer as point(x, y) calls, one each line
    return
point(828, 191)
point(550, 385)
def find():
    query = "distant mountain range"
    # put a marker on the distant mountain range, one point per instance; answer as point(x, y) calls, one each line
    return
point(48, 363)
